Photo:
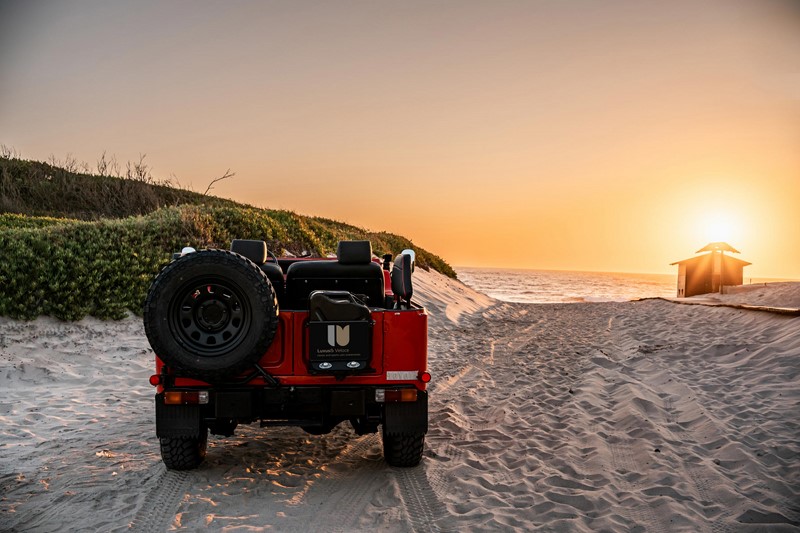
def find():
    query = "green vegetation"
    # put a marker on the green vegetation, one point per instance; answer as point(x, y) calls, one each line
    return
point(14, 221)
point(101, 260)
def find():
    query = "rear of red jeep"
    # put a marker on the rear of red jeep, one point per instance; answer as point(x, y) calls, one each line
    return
point(242, 338)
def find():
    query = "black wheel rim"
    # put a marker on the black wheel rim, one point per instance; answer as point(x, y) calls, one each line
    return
point(209, 317)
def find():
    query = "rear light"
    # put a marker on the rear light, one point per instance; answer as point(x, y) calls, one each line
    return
point(186, 397)
point(155, 380)
point(395, 395)
point(425, 377)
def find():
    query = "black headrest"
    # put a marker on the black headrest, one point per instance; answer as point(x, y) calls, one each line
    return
point(401, 277)
point(354, 252)
point(255, 251)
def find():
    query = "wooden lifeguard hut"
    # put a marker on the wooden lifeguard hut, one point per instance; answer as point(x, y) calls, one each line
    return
point(710, 272)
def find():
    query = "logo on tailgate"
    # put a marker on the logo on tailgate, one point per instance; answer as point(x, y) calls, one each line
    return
point(338, 335)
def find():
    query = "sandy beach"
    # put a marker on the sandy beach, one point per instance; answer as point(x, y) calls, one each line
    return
point(637, 416)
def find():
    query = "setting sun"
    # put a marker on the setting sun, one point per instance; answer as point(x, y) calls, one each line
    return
point(720, 227)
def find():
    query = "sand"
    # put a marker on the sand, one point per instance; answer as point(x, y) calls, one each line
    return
point(779, 294)
point(639, 416)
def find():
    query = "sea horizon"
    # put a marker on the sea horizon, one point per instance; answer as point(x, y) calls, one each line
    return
point(527, 285)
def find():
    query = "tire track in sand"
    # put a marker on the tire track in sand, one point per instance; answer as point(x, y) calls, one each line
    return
point(339, 499)
point(424, 490)
point(625, 464)
point(158, 510)
point(342, 498)
point(422, 505)
point(635, 371)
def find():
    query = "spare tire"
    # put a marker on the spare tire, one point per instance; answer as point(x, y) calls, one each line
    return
point(211, 314)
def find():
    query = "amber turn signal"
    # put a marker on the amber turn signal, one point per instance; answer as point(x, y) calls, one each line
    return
point(400, 395)
point(185, 397)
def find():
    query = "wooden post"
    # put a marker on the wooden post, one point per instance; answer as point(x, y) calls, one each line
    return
point(716, 271)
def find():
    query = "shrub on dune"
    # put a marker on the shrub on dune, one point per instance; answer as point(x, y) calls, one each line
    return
point(70, 269)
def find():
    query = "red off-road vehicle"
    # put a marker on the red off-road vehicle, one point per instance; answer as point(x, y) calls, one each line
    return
point(241, 336)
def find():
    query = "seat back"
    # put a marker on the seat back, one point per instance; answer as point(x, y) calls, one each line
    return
point(353, 271)
point(401, 280)
point(256, 251)
point(286, 262)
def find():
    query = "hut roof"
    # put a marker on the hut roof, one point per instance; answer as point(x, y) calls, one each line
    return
point(726, 258)
point(715, 246)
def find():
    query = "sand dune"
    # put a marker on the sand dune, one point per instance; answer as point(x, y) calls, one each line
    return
point(641, 416)
point(779, 294)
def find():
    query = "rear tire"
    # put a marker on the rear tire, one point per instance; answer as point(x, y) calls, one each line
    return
point(403, 450)
point(184, 453)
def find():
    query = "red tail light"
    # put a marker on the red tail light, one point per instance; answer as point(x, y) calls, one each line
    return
point(155, 380)
point(425, 377)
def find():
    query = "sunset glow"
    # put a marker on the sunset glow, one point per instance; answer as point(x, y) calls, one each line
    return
point(721, 227)
point(617, 136)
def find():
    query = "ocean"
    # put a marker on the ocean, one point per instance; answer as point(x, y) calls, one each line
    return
point(557, 286)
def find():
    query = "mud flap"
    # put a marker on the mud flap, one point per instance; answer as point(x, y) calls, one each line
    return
point(177, 420)
point(406, 418)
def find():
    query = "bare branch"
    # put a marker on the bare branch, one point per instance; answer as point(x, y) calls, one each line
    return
point(113, 167)
point(228, 174)
point(139, 171)
point(103, 165)
point(70, 163)
point(8, 152)
point(173, 179)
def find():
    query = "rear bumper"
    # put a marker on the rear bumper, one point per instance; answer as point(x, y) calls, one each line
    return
point(292, 406)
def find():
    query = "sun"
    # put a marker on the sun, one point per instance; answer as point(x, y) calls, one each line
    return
point(720, 227)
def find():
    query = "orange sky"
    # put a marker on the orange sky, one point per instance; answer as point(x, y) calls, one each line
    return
point(584, 135)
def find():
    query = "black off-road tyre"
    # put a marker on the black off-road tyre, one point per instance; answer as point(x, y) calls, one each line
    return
point(184, 453)
point(211, 314)
point(403, 450)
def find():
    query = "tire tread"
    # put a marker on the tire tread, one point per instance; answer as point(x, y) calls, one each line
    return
point(183, 453)
point(403, 450)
